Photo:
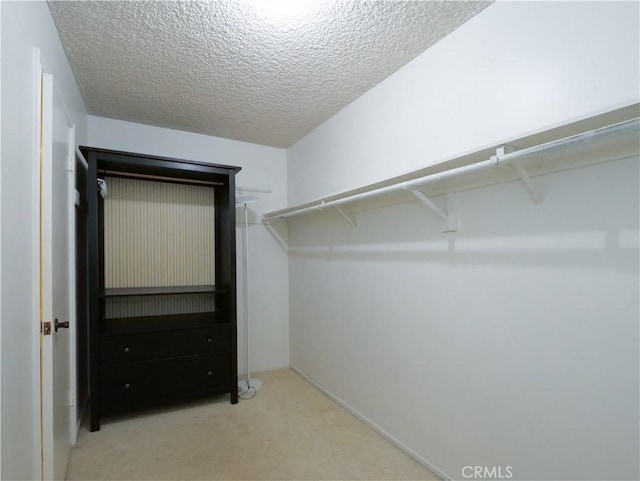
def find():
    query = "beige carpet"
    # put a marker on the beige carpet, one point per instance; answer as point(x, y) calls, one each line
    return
point(290, 430)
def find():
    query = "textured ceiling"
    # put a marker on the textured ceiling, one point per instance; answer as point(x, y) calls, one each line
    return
point(243, 70)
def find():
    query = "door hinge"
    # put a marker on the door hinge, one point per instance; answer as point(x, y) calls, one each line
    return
point(45, 328)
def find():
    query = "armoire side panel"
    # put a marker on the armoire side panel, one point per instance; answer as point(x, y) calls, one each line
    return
point(226, 267)
point(93, 275)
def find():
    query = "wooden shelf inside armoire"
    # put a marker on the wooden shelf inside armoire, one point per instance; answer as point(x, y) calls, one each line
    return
point(161, 290)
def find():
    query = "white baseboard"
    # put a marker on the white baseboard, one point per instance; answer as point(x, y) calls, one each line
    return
point(402, 447)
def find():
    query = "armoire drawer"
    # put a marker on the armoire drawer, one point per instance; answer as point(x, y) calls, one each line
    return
point(128, 387)
point(149, 346)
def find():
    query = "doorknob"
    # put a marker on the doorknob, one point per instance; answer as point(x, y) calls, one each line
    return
point(58, 325)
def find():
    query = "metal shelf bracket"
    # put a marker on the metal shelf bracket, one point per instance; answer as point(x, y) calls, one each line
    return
point(275, 234)
point(346, 216)
point(501, 151)
point(449, 212)
point(342, 213)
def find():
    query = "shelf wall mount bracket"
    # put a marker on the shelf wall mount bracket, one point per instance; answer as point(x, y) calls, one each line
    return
point(535, 195)
point(350, 220)
point(340, 211)
point(449, 212)
point(275, 234)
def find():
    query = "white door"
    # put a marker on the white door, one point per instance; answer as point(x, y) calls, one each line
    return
point(56, 298)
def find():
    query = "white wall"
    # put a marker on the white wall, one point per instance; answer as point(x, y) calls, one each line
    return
point(262, 167)
point(25, 25)
point(514, 341)
point(516, 68)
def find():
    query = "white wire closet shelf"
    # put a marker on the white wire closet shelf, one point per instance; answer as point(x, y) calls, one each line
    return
point(608, 143)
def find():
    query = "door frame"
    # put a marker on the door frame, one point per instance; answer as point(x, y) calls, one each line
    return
point(45, 265)
point(35, 222)
point(74, 424)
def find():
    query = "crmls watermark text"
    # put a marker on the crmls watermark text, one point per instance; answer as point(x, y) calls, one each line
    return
point(487, 472)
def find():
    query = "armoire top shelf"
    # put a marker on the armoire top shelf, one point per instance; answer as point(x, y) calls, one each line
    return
point(159, 291)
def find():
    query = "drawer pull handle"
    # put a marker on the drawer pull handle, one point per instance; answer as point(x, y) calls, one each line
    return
point(209, 340)
point(127, 386)
point(126, 349)
point(210, 373)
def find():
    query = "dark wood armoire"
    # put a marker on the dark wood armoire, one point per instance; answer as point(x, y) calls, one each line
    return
point(157, 337)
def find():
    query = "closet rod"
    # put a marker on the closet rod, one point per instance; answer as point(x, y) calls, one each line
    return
point(620, 128)
point(623, 127)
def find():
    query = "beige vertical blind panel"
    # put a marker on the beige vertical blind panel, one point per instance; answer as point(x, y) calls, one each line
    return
point(158, 234)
